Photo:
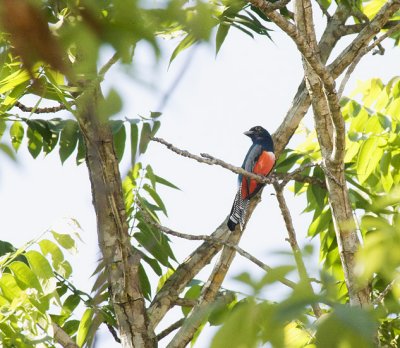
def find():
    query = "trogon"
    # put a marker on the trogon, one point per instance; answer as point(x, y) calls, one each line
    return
point(260, 159)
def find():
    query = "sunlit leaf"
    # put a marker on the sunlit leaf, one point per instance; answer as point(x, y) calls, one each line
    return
point(368, 158)
point(188, 41)
point(84, 326)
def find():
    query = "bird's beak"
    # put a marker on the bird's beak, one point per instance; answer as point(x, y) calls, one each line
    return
point(249, 133)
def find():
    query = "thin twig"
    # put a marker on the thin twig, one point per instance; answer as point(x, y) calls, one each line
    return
point(185, 302)
point(210, 160)
point(107, 66)
point(323, 9)
point(383, 294)
point(361, 54)
point(113, 332)
point(169, 329)
point(295, 246)
point(47, 110)
point(240, 251)
point(296, 172)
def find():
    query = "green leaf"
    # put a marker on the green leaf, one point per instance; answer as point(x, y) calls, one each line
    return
point(35, 142)
point(134, 142)
point(9, 287)
point(65, 240)
point(144, 137)
point(155, 114)
point(144, 283)
point(71, 327)
point(84, 327)
point(13, 80)
point(70, 304)
point(187, 41)
point(59, 264)
point(150, 175)
point(43, 271)
point(119, 142)
point(164, 278)
point(150, 239)
point(69, 139)
point(346, 326)
point(156, 198)
point(222, 32)
point(24, 276)
point(320, 223)
point(155, 128)
point(153, 264)
point(16, 133)
point(368, 158)
point(165, 182)
point(239, 330)
point(285, 165)
point(386, 176)
point(6, 247)
point(193, 294)
point(325, 3)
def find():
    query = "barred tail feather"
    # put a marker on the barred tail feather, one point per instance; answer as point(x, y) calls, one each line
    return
point(238, 212)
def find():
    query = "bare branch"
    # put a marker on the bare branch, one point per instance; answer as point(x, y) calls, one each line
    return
point(295, 247)
point(226, 243)
point(61, 337)
point(383, 294)
point(207, 159)
point(47, 110)
point(186, 271)
point(107, 66)
point(363, 52)
point(121, 260)
point(113, 332)
point(210, 160)
point(346, 57)
point(170, 329)
point(352, 28)
point(185, 302)
point(208, 294)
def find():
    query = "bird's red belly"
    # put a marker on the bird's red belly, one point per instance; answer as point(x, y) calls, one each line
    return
point(263, 166)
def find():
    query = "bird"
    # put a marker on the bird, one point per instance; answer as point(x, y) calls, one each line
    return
point(260, 159)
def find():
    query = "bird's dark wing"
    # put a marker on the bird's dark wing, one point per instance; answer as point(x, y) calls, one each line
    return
point(258, 161)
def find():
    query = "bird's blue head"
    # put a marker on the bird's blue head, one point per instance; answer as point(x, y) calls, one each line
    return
point(259, 135)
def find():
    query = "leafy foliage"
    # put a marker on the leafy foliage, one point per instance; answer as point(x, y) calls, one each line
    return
point(30, 290)
point(59, 52)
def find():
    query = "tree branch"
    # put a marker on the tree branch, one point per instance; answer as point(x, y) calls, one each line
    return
point(35, 110)
point(186, 271)
point(361, 54)
point(208, 294)
point(346, 57)
point(121, 260)
point(294, 245)
point(207, 159)
point(213, 240)
point(61, 337)
point(203, 254)
point(383, 294)
point(170, 329)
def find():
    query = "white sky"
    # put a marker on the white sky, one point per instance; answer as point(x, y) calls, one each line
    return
point(251, 82)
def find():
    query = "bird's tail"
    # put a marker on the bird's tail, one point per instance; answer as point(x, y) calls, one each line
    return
point(238, 212)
